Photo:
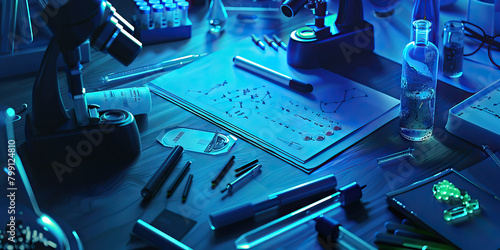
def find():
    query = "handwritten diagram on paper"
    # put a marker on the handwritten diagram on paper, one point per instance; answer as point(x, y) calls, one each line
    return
point(293, 126)
point(292, 116)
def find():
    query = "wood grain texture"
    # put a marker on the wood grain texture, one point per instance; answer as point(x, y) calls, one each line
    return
point(102, 208)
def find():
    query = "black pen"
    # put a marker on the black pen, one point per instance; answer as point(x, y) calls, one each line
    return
point(246, 165)
point(223, 172)
point(271, 74)
point(162, 173)
point(258, 42)
point(178, 179)
point(245, 170)
point(187, 187)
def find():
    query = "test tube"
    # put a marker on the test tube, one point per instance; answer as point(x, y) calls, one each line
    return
point(153, 2)
point(183, 12)
point(407, 152)
point(157, 15)
point(139, 4)
point(170, 9)
point(145, 12)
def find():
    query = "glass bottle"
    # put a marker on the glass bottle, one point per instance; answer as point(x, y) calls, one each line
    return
point(427, 10)
point(217, 17)
point(453, 48)
point(418, 84)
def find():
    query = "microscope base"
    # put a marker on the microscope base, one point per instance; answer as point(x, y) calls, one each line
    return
point(115, 136)
point(339, 48)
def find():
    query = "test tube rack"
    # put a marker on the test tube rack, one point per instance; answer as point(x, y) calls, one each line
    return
point(161, 35)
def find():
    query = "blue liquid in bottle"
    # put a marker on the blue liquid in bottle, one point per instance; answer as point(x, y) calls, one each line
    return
point(418, 85)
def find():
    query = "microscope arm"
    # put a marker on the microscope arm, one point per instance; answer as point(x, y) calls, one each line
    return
point(48, 108)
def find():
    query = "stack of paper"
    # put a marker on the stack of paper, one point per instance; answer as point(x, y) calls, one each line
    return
point(305, 130)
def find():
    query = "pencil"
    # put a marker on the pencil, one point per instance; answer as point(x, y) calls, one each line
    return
point(246, 165)
point(223, 172)
point(178, 179)
point(186, 189)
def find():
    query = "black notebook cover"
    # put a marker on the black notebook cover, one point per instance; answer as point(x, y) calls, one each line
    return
point(481, 230)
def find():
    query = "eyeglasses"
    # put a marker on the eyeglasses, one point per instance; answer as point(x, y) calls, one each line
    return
point(475, 38)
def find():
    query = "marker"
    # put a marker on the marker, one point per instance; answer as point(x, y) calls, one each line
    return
point(162, 173)
point(280, 43)
point(270, 42)
point(246, 165)
point(324, 185)
point(258, 42)
point(223, 172)
point(271, 74)
point(178, 179)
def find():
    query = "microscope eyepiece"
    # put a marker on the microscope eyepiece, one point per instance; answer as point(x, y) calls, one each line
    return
point(291, 7)
point(113, 37)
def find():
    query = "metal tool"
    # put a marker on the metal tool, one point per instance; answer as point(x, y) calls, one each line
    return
point(242, 180)
point(114, 78)
point(404, 153)
point(491, 155)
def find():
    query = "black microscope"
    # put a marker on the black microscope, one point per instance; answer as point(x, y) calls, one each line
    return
point(323, 43)
point(62, 137)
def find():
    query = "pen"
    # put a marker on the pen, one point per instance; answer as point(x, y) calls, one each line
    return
point(236, 184)
point(271, 42)
point(271, 74)
point(187, 187)
point(279, 42)
point(258, 42)
point(246, 165)
point(162, 173)
point(178, 179)
point(223, 172)
point(150, 69)
point(244, 170)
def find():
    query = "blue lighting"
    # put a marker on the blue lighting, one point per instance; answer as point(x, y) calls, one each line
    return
point(11, 112)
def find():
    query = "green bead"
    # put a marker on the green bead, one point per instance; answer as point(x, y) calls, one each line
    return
point(445, 182)
point(438, 196)
point(454, 213)
point(466, 198)
point(471, 206)
point(456, 193)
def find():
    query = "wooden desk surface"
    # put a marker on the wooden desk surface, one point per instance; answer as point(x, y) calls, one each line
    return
point(103, 208)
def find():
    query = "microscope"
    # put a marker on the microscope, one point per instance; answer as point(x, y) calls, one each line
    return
point(63, 137)
point(326, 43)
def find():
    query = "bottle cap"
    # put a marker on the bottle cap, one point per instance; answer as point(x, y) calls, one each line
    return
point(145, 9)
point(170, 6)
point(183, 5)
point(158, 8)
